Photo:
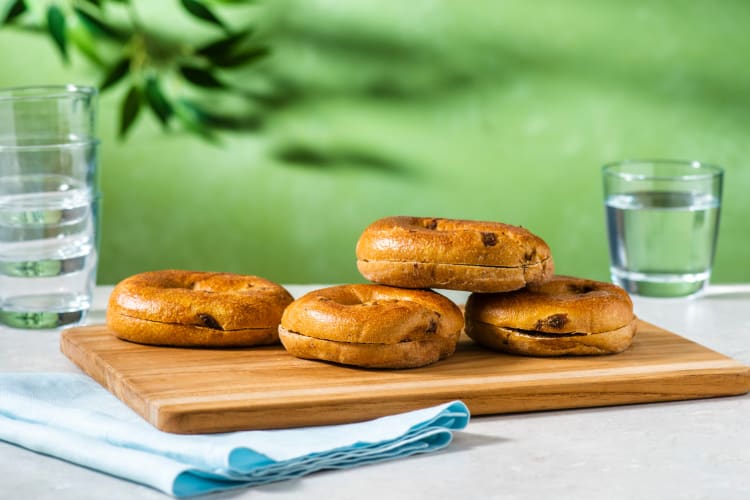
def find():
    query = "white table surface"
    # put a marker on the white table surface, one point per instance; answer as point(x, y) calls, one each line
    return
point(681, 450)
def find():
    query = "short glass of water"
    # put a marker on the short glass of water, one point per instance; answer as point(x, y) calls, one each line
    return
point(663, 224)
point(49, 205)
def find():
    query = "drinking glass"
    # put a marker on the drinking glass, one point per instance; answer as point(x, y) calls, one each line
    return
point(49, 205)
point(663, 223)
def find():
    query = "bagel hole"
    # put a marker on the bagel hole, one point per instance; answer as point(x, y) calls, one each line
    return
point(580, 289)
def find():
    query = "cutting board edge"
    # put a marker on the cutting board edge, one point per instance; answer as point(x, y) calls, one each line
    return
point(179, 418)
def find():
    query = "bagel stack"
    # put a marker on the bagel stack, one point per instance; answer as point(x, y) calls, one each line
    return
point(516, 306)
point(398, 322)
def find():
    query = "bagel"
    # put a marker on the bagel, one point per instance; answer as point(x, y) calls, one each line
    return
point(411, 354)
point(372, 326)
point(474, 256)
point(563, 316)
point(186, 308)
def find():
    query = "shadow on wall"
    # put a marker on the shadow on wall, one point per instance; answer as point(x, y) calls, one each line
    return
point(488, 110)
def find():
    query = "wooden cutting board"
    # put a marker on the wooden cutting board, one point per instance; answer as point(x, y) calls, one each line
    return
point(185, 390)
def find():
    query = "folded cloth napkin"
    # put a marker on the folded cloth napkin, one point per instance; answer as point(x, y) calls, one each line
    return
point(70, 416)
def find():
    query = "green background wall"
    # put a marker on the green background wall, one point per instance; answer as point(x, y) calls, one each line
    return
point(496, 110)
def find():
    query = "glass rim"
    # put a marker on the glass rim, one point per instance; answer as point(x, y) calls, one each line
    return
point(702, 169)
point(43, 92)
point(73, 144)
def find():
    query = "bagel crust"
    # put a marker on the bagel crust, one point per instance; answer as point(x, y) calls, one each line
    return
point(476, 256)
point(454, 276)
point(562, 316)
point(186, 308)
point(371, 325)
point(410, 354)
point(535, 344)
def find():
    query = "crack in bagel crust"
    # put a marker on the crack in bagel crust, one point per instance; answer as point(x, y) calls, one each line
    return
point(477, 278)
point(202, 327)
point(531, 343)
point(545, 335)
point(349, 342)
point(390, 356)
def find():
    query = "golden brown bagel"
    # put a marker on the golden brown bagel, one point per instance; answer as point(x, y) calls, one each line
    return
point(475, 256)
point(562, 316)
point(372, 326)
point(186, 308)
point(410, 354)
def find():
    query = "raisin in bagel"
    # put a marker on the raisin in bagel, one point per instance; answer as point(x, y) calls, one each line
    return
point(185, 308)
point(373, 326)
point(561, 316)
point(416, 252)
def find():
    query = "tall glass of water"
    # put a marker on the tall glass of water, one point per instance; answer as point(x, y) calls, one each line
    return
point(663, 222)
point(49, 204)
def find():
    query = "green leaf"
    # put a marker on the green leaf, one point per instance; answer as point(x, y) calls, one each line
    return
point(98, 26)
point(241, 58)
point(131, 105)
point(18, 8)
point(232, 122)
point(86, 43)
point(200, 77)
point(116, 73)
point(199, 10)
point(56, 27)
point(222, 46)
point(191, 118)
point(97, 3)
point(227, 52)
point(157, 101)
point(219, 120)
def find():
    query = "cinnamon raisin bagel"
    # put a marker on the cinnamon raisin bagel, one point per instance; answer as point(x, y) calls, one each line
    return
point(563, 316)
point(186, 308)
point(419, 252)
point(372, 326)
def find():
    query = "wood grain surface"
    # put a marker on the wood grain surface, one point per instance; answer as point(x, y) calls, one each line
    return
point(189, 390)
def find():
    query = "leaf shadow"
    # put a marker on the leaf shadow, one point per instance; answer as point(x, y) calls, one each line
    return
point(304, 156)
